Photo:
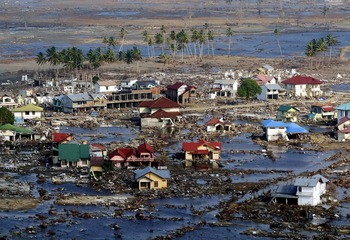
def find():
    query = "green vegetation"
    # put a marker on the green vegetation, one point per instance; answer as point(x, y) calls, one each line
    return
point(6, 116)
point(249, 88)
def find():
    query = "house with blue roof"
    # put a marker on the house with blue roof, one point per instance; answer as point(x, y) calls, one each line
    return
point(275, 130)
point(343, 111)
point(151, 178)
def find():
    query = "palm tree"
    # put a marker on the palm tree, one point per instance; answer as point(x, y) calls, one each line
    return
point(194, 40)
point(159, 39)
point(163, 32)
point(151, 46)
point(165, 58)
point(206, 27)
point(211, 40)
point(173, 42)
point(122, 35)
point(202, 40)
point(331, 41)
point(310, 50)
point(40, 58)
point(146, 39)
point(91, 57)
point(182, 40)
point(121, 56)
point(322, 48)
point(136, 54)
point(229, 34)
point(112, 42)
point(53, 57)
point(109, 56)
point(105, 41)
point(100, 56)
point(277, 33)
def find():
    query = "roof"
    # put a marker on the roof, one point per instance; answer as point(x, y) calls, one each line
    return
point(16, 129)
point(161, 102)
point(286, 108)
point(163, 114)
point(344, 107)
point(161, 173)
point(213, 122)
point(193, 146)
point(73, 151)
point(79, 97)
point(98, 95)
point(123, 152)
point(343, 120)
point(310, 181)
point(299, 80)
point(59, 137)
point(107, 83)
point(145, 147)
point(29, 107)
point(175, 85)
point(328, 108)
point(295, 128)
point(273, 86)
point(97, 147)
point(286, 190)
point(272, 123)
point(263, 78)
point(267, 67)
point(225, 81)
point(345, 130)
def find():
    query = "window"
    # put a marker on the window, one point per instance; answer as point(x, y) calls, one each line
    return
point(155, 184)
point(26, 112)
point(143, 184)
point(300, 189)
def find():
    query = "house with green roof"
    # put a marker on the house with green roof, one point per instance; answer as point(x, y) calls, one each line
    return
point(287, 113)
point(27, 112)
point(9, 132)
point(74, 154)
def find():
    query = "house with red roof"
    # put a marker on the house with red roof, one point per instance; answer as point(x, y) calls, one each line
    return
point(217, 125)
point(143, 155)
point(200, 151)
point(159, 113)
point(343, 129)
point(181, 93)
point(57, 139)
point(98, 154)
point(303, 86)
point(322, 111)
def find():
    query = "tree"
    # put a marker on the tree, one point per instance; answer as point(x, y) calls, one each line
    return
point(206, 27)
point(110, 56)
point(95, 79)
point(146, 39)
point(40, 58)
point(159, 39)
point(122, 35)
point(321, 48)
point(331, 41)
point(229, 34)
point(249, 88)
point(6, 116)
point(277, 33)
point(211, 40)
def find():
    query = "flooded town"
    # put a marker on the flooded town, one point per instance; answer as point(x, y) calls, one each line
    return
point(126, 130)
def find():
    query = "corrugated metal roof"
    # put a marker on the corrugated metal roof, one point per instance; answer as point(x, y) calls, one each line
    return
point(344, 107)
point(273, 86)
point(295, 128)
point(272, 123)
point(80, 97)
point(161, 173)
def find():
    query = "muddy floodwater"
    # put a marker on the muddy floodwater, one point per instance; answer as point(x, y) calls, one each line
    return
point(161, 216)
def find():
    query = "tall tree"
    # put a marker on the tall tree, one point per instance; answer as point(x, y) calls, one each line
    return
point(277, 34)
point(331, 42)
point(6, 116)
point(211, 40)
point(146, 37)
point(159, 39)
point(201, 39)
point(122, 35)
point(206, 27)
point(229, 34)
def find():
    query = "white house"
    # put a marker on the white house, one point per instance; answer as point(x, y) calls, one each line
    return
point(303, 86)
point(310, 189)
point(107, 87)
point(27, 112)
point(225, 87)
point(275, 130)
point(304, 191)
point(270, 91)
point(128, 84)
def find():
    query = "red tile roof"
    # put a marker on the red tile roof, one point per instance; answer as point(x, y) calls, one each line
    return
point(175, 85)
point(59, 137)
point(97, 147)
point(161, 102)
point(163, 114)
point(328, 108)
point(342, 120)
point(123, 152)
point(213, 122)
point(193, 146)
point(145, 147)
point(299, 80)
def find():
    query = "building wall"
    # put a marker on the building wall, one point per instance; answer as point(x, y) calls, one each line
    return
point(162, 183)
point(273, 134)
